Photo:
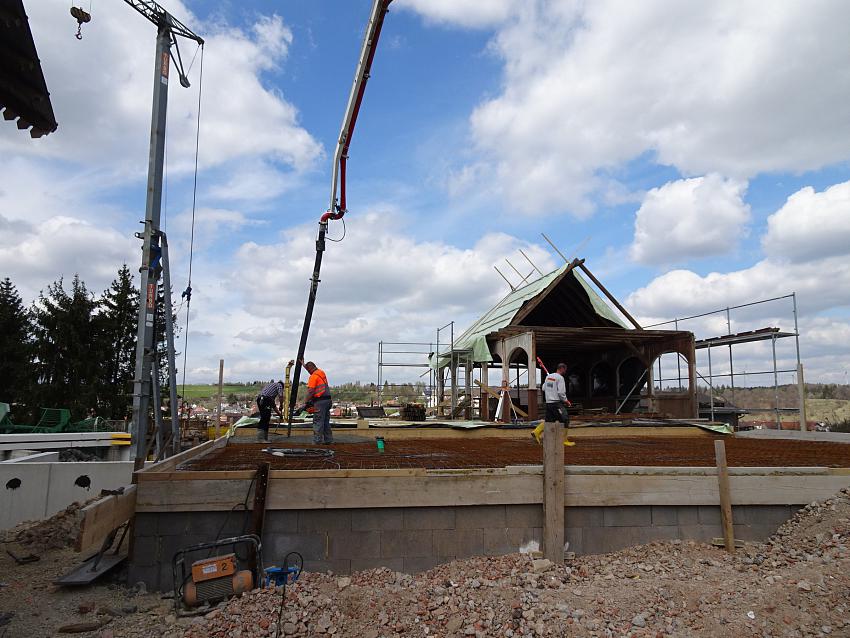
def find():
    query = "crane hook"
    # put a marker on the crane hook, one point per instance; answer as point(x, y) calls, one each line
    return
point(81, 17)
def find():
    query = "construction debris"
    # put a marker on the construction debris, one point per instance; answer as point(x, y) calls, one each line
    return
point(57, 532)
point(796, 584)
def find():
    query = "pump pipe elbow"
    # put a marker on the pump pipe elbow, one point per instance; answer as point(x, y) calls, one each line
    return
point(338, 214)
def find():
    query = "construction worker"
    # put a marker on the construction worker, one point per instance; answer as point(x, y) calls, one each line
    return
point(319, 404)
point(555, 392)
point(266, 403)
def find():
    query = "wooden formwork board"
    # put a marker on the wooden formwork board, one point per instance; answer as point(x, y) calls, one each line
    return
point(383, 488)
point(103, 516)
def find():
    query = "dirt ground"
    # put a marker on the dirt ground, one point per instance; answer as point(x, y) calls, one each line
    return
point(796, 584)
point(482, 452)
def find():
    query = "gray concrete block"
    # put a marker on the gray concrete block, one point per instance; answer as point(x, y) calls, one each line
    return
point(709, 515)
point(414, 565)
point(363, 520)
point(351, 544)
point(702, 533)
point(584, 516)
point(148, 574)
point(145, 524)
point(688, 514)
point(509, 540)
point(480, 516)
point(754, 532)
point(145, 551)
point(339, 566)
point(574, 536)
point(281, 521)
point(524, 515)
point(311, 546)
point(612, 539)
point(361, 564)
point(407, 544)
point(665, 515)
point(324, 520)
point(761, 514)
point(173, 523)
point(209, 526)
point(170, 545)
point(627, 516)
point(429, 518)
point(166, 577)
point(460, 543)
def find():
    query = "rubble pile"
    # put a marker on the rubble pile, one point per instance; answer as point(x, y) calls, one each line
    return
point(57, 532)
point(796, 584)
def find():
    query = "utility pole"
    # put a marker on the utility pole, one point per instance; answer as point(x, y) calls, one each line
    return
point(152, 249)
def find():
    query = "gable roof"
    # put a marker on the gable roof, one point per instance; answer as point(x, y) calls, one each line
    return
point(560, 298)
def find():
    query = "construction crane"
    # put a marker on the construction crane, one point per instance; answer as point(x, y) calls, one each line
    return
point(337, 207)
point(154, 241)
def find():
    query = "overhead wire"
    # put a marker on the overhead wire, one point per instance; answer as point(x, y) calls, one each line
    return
point(188, 292)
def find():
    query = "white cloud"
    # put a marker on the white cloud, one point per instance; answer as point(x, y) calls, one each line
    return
point(811, 225)
point(468, 14)
point(800, 256)
point(379, 283)
point(101, 93)
point(689, 219)
point(736, 89)
point(37, 255)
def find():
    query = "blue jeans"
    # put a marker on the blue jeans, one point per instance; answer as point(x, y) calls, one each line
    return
point(322, 421)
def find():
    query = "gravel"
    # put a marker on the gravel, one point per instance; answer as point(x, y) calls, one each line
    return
point(795, 584)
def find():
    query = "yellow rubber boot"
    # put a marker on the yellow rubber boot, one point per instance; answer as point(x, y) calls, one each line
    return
point(537, 432)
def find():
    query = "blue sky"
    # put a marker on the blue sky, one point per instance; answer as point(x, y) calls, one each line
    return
point(696, 156)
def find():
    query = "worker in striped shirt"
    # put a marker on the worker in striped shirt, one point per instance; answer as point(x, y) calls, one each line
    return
point(266, 403)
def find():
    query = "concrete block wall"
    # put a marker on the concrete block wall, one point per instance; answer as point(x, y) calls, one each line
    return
point(598, 530)
point(416, 539)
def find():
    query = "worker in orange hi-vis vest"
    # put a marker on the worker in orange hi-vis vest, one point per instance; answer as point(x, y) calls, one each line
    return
point(319, 404)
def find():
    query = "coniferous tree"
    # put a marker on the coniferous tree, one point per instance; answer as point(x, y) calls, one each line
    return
point(16, 367)
point(67, 358)
point(116, 330)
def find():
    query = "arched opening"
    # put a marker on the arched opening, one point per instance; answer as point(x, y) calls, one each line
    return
point(670, 373)
point(602, 380)
point(631, 379)
point(576, 382)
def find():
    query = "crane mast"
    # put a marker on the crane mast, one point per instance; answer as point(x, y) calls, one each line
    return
point(154, 242)
point(337, 207)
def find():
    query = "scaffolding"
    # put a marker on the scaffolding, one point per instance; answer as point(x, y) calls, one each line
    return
point(730, 339)
point(411, 355)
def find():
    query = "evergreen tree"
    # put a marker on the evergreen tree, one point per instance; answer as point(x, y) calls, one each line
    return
point(16, 367)
point(116, 330)
point(67, 360)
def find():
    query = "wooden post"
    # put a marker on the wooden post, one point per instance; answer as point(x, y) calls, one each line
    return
point(258, 513)
point(553, 492)
point(725, 496)
point(484, 397)
point(218, 409)
point(801, 389)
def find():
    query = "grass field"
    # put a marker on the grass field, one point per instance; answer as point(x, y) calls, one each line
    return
point(832, 410)
point(207, 391)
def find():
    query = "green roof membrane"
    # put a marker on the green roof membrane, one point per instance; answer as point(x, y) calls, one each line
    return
point(560, 298)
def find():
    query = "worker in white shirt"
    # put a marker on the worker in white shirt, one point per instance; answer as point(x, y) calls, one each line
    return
point(555, 392)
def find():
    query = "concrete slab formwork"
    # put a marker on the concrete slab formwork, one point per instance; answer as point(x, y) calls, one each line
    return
point(412, 518)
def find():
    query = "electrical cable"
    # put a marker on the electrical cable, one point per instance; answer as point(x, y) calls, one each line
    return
point(299, 452)
point(188, 292)
point(286, 580)
point(343, 232)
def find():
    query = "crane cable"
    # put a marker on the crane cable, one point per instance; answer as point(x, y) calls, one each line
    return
point(187, 294)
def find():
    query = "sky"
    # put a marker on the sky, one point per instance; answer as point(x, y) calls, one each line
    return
point(696, 154)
